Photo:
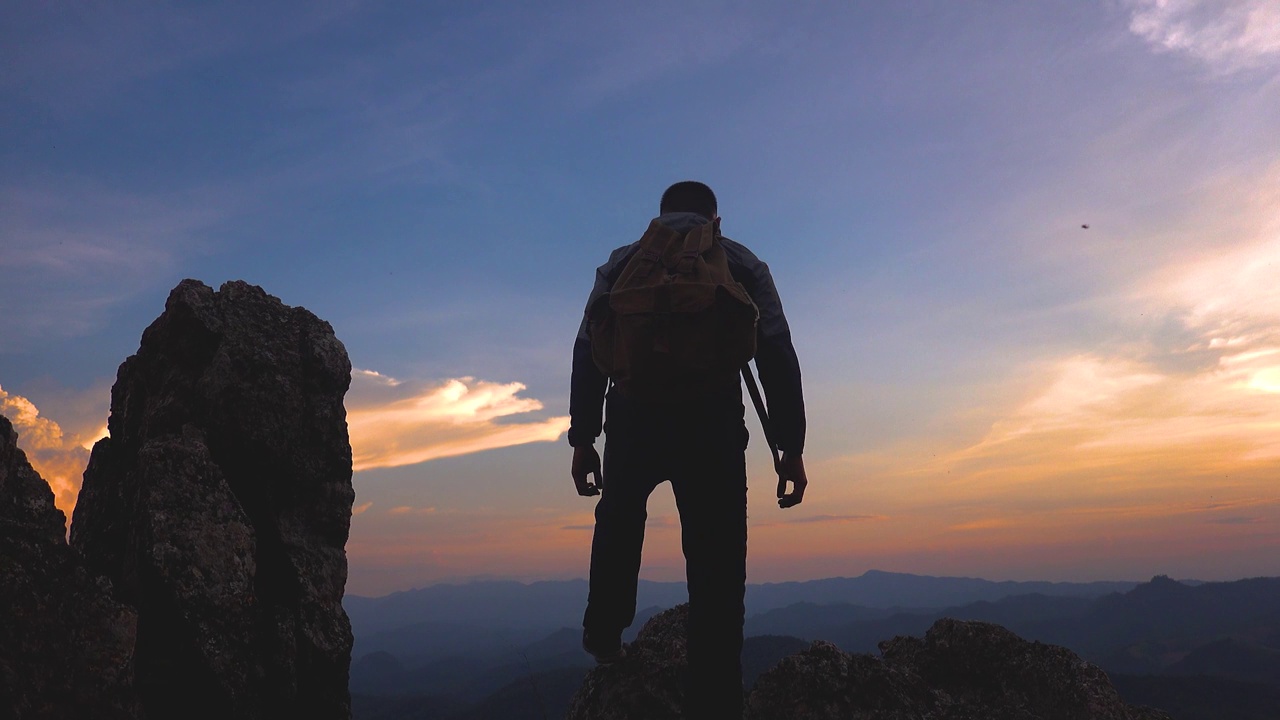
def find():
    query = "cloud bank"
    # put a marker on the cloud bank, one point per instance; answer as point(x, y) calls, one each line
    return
point(395, 423)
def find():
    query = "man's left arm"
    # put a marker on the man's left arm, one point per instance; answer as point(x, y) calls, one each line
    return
point(776, 358)
point(779, 369)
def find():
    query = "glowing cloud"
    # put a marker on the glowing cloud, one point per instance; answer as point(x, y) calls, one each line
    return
point(59, 457)
point(1228, 34)
point(395, 423)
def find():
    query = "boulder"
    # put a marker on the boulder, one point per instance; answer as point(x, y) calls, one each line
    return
point(66, 646)
point(219, 507)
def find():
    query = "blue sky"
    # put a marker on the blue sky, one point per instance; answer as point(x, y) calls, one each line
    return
point(993, 389)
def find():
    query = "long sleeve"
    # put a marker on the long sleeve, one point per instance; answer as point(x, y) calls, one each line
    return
point(587, 384)
point(780, 378)
point(776, 358)
point(586, 396)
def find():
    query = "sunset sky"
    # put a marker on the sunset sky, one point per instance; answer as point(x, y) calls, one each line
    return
point(993, 388)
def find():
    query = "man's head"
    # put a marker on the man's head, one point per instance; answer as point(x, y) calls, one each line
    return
point(689, 196)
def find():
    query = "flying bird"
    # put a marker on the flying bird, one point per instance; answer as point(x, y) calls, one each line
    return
point(1086, 227)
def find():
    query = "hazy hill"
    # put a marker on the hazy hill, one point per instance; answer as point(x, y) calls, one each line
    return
point(478, 618)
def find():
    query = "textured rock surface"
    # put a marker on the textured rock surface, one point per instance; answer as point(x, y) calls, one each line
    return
point(65, 645)
point(984, 670)
point(826, 682)
point(958, 671)
point(220, 506)
point(646, 683)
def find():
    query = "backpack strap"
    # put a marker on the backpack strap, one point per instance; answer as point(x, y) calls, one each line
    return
point(696, 243)
point(758, 401)
point(649, 253)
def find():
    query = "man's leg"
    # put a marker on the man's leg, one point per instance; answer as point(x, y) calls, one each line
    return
point(711, 494)
point(629, 478)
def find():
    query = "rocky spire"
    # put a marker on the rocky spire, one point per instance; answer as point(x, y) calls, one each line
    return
point(220, 504)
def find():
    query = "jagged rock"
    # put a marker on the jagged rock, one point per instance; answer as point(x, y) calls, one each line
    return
point(220, 507)
point(958, 671)
point(66, 647)
point(646, 683)
point(985, 669)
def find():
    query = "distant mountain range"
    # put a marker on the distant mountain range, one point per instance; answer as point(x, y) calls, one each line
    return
point(1197, 650)
point(441, 620)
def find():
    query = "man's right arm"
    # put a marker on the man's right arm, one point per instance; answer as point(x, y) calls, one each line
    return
point(587, 384)
point(586, 395)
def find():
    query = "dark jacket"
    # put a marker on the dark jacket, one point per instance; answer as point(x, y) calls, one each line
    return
point(775, 356)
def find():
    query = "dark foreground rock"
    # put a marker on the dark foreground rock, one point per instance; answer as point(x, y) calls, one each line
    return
point(646, 683)
point(219, 508)
point(958, 671)
point(65, 645)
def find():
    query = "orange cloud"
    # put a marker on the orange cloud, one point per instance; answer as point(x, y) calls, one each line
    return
point(58, 456)
point(395, 423)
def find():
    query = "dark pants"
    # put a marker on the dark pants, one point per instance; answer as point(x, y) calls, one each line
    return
point(700, 449)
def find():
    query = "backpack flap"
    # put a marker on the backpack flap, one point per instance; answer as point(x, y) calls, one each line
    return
point(676, 326)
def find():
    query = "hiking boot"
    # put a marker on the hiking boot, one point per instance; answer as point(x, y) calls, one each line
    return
point(607, 649)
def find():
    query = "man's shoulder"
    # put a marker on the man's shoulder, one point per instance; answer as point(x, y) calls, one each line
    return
point(741, 256)
point(618, 257)
point(623, 251)
point(733, 247)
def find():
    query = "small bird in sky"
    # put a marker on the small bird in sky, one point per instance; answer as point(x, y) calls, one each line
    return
point(1085, 226)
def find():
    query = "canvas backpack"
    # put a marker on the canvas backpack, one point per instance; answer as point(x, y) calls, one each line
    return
point(675, 324)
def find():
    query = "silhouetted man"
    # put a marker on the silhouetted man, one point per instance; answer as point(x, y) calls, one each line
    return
point(697, 442)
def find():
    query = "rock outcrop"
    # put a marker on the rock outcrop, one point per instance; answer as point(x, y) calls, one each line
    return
point(65, 645)
point(220, 504)
point(647, 682)
point(958, 671)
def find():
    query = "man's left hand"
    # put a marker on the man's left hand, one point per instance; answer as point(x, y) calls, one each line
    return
point(791, 469)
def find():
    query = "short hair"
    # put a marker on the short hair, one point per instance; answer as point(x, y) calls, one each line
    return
point(689, 196)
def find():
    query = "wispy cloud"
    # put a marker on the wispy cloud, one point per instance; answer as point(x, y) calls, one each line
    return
point(410, 510)
point(1229, 35)
point(80, 55)
point(76, 250)
point(833, 519)
point(395, 423)
point(58, 456)
point(1236, 520)
point(1161, 440)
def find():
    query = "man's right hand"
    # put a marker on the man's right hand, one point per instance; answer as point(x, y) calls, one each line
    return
point(586, 461)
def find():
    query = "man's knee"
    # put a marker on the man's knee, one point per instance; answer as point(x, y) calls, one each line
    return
point(620, 510)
